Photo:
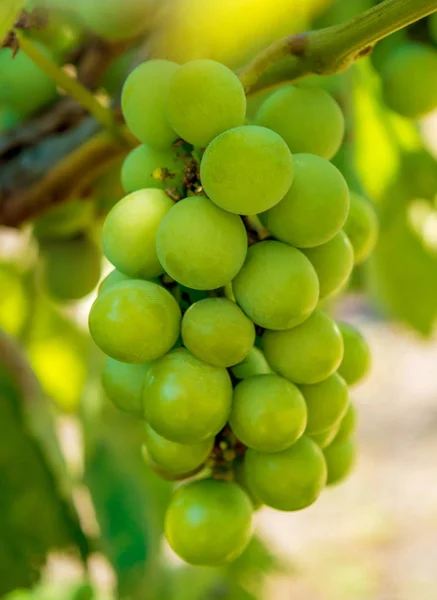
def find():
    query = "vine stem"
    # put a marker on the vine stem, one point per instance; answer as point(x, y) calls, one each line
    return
point(76, 90)
point(333, 49)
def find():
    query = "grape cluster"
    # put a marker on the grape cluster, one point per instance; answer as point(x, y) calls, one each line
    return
point(211, 319)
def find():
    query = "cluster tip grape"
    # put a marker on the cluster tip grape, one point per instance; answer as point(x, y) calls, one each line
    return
point(217, 338)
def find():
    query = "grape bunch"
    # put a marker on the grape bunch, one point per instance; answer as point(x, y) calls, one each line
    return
point(211, 320)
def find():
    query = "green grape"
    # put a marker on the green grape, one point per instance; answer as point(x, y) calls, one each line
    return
point(247, 170)
point(277, 287)
point(268, 413)
point(324, 438)
point(308, 119)
point(65, 220)
point(142, 102)
point(241, 478)
point(147, 167)
point(200, 245)
point(209, 522)
point(333, 263)
point(308, 353)
point(205, 98)
point(340, 460)
point(217, 331)
point(123, 384)
point(356, 361)
point(112, 279)
point(316, 206)
point(361, 227)
point(185, 399)
point(326, 403)
point(69, 269)
point(408, 81)
point(116, 19)
point(348, 425)
point(174, 458)
point(135, 321)
point(162, 472)
point(254, 364)
point(130, 229)
point(288, 480)
point(24, 87)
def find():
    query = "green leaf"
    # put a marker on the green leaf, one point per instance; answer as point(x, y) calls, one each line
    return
point(9, 11)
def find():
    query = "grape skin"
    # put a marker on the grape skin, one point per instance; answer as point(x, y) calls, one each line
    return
point(123, 384)
point(204, 99)
point(326, 403)
point(217, 331)
point(135, 321)
point(268, 413)
point(277, 287)
point(116, 19)
point(200, 245)
point(356, 361)
point(348, 425)
point(340, 460)
point(247, 170)
point(254, 364)
point(139, 170)
point(324, 438)
point(361, 227)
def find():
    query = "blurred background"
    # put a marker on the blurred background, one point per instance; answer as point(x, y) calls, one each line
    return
point(81, 515)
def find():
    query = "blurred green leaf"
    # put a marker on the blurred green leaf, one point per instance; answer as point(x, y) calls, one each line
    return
point(9, 11)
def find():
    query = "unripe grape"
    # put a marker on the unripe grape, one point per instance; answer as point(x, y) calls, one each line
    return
point(324, 438)
point(123, 384)
point(209, 522)
point(130, 229)
point(241, 478)
point(69, 269)
point(268, 413)
point(162, 472)
point(340, 460)
point(204, 99)
point(289, 480)
point(254, 364)
point(408, 85)
point(135, 321)
point(217, 331)
point(361, 227)
point(112, 279)
point(201, 245)
point(326, 403)
point(316, 206)
point(116, 19)
point(356, 361)
point(143, 99)
point(333, 263)
point(185, 399)
point(277, 287)
point(247, 170)
point(308, 353)
point(65, 220)
point(147, 167)
point(308, 119)
point(174, 458)
point(348, 425)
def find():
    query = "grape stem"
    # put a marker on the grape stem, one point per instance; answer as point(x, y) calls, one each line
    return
point(330, 50)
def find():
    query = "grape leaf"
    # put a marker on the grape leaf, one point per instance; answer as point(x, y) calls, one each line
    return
point(9, 11)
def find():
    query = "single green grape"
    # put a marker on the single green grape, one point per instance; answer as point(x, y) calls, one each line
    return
point(333, 263)
point(268, 413)
point(340, 460)
point(147, 167)
point(240, 476)
point(112, 279)
point(315, 208)
point(116, 20)
point(209, 522)
point(217, 331)
point(24, 86)
point(307, 118)
point(357, 359)
point(69, 269)
point(254, 364)
point(123, 384)
point(185, 399)
point(308, 353)
point(200, 245)
point(247, 170)
point(289, 480)
point(324, 438)
point(277, 287)
point(361, 227)
point(326, 403)
point(135, 321)
point(143, 99)
point(348, 425)
point(175, 458)
point(204, 99)
point(65, 220)
point(130, 229)
point(408, 84)
point(168, 476)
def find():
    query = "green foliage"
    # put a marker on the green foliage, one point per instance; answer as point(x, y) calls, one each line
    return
point(9, 11)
